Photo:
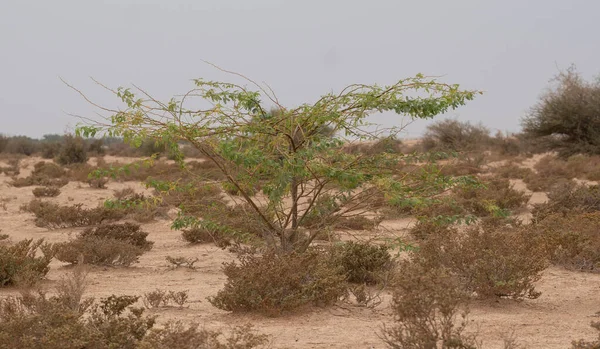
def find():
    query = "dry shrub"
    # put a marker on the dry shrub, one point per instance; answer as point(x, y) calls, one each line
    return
point(21, 145)
point(13, 167)
point(511, 170)
point(566, 116)
point(430, 310)
point(573, 240)
point(44, 173)
point(363, 262)
point(569, 197)
point(46, 192)
point(19, 262)
point(273, 283)
point(97, 183)
point(124, 193)
point(177, 335)
point(467, 164)
point(202, 235)
point(51, 215)
point(72, 151)
point(194, 198)
point(496, 197)
point(493, 259)
point(356, 223)
point(112, 244)
point(137, 206)
point(583, 344)
point(454, 135)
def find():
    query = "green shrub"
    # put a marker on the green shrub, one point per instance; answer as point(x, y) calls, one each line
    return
point(274, 283)
point(19, 263)
point(363, 263)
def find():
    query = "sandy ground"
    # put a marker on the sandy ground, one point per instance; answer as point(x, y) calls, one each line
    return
point(564, 311)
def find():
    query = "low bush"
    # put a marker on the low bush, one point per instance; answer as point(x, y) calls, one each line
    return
point(454, 135)
point(497, 197)
point(72, 151)
point(21, 145)
point(273, 283)
point(45, 174)
point(430, 310)
point(46, 192)
point(497, 258)
point(200, 235)
point(19, 262)
point(512, 171)
point(583, 344)
point(363, 262)
point(112, 244)
point(572, 239)
point(51, 215)
point(36, 321)
point(569, 197)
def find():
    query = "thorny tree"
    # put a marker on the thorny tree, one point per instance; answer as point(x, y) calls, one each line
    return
point(288, 164)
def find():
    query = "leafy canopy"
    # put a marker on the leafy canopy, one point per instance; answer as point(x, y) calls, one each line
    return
point(288, 164)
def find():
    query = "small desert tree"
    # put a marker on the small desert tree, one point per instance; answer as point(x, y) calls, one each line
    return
point(292, 155)
point(567, 116)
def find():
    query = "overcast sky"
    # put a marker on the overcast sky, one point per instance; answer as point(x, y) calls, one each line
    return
point(302, 49)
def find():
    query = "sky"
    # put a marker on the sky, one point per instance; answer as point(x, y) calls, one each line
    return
point(509, 49)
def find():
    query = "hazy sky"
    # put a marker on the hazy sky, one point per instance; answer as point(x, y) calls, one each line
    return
point(302, 49)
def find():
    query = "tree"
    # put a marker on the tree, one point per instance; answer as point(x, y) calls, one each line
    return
point(567, 116)
point(293, 155)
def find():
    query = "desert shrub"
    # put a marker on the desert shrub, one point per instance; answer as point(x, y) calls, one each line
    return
point(123, 193)
point(96, 146)
point(178, 335)
point(21, 145)
point(49, 150)
point(583, 344)
point(52, 215)
point(430, 310)
point(127, 232)
point(72, 151)
point(98, 183)
point(465, 165)
point(567, 116)
point(67, 321)
point(573, 240)
point(496, 258)
point(356, 223)
point(454, 135)
point(3, 142)
point(200, 235)
point(507, 144)
point(273, 283)
point(19, 262)
point(512, 171)
point(569, 197)
point(137, 206)
point(495, 198)
point(45, 174)
point(112, 244)
point(46, 192)
point(13, 167)
point(363, 262)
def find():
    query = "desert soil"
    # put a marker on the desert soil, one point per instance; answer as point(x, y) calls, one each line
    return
point(564, 311)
